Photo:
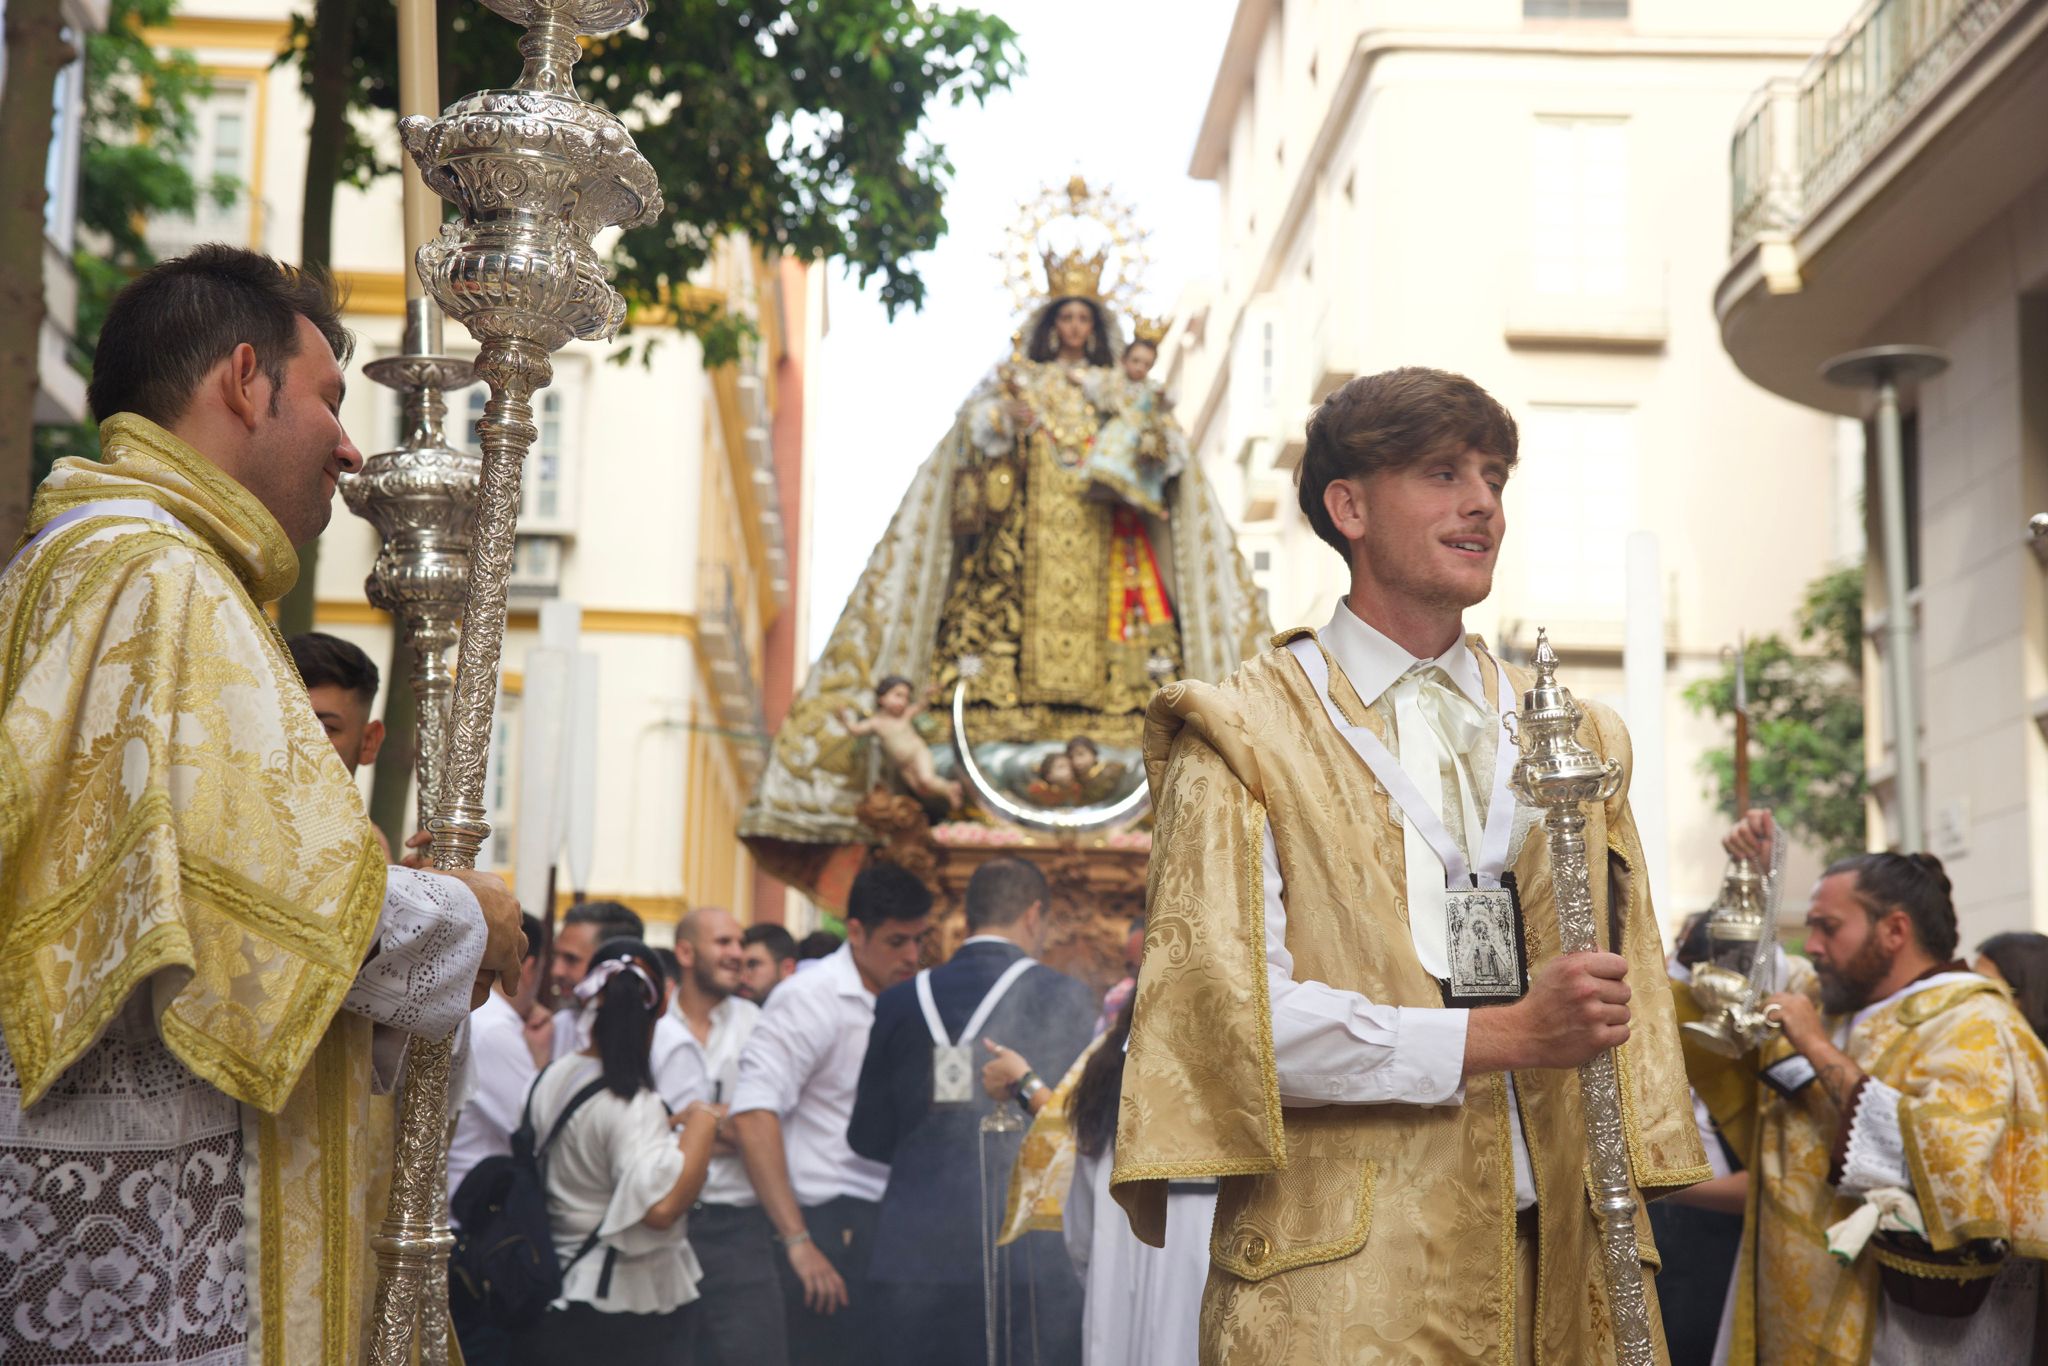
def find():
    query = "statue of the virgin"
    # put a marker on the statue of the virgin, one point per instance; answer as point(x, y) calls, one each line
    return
point(1055, 560)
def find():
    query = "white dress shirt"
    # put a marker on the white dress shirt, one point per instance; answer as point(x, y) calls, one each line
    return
point(498, 1073)
point(717, 1063)
point(1336, 1047)
point(678, 1078)
point(802, 1063)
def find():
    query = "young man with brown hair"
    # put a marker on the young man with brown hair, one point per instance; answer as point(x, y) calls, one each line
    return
point(1390, 1107)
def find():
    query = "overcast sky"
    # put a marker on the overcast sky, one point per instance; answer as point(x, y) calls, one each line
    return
point(1115, 91)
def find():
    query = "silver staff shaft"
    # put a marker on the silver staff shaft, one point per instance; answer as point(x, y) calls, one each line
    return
point(1558, 775)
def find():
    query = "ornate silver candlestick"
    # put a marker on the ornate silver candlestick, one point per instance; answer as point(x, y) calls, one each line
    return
point(536, 173)
point(422, 500)
point(1558, 775)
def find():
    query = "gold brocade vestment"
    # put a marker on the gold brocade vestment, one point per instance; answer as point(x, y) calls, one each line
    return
point(174, 822)
point(1974, 1120)
point(1356, 1233)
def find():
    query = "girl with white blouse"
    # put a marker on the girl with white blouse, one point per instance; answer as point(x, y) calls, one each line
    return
point(624, 1170)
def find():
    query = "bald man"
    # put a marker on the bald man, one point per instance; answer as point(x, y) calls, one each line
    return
point(740, 1319)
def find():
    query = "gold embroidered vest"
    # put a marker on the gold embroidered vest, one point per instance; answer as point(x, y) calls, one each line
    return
point(174, 821)
point(1381, 1233)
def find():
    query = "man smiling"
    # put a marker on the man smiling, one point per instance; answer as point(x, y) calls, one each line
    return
point(1335, 847)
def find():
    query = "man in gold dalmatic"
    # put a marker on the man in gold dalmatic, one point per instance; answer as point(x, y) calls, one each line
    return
point(204, 961)
point(1352, 1008)
point(1897, 1152)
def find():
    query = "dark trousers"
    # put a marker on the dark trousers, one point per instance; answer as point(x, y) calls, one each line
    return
point(580, 1333)
point(926, 1324)
point(844, 1230)
point(1700, 1247)
point(739, 1301)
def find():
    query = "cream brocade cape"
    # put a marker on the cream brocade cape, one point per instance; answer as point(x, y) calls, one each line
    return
point(1974, 1118)
point(173, 820)
point(1381, 1233)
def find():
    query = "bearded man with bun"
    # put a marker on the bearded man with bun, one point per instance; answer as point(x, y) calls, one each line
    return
point(1898, 1202)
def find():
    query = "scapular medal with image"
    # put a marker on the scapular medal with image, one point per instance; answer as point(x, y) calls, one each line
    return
point(952, 1074)
point(1484, 946)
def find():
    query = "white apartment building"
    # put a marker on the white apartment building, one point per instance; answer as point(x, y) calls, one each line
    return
point(1895, 192)
point(663, 499)
point(1532, 193)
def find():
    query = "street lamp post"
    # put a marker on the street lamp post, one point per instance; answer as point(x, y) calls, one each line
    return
point(1883, 369)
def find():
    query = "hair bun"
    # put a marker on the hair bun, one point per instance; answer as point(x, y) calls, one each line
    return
point(1929, 864)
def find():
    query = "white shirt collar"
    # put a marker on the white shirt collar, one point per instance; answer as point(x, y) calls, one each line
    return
point(988, 939)
point(845, 973)
point(1374, 662)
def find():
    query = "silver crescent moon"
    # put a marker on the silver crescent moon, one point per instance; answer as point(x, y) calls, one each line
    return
point(1072, 819)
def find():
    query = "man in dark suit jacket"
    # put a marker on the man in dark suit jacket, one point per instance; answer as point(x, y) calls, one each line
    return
point(929, 1242)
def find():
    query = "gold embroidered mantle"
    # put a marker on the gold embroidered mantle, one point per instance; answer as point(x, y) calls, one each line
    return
point(1974, 1117)
point(1381, 1233)
point(900, 608)
point(172, 819)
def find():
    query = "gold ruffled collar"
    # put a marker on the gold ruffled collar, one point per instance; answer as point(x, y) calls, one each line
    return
point(139, 459)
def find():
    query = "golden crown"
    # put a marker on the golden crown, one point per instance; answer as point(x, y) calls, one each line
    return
point(1075, 276)
point(1149, 330)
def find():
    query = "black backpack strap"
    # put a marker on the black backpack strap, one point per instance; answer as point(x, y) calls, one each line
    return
point(575, 1104)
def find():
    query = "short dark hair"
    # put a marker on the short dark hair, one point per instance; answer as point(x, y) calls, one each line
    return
point(180, 318)
point(329, 661)
point(2021, 957)
point(1085, 743)
point(893, 681)
point(1001, 890)
point(779, 942)
point(670, 964)
point(887, 891)
point(818, 944)
point(1389, 421)
point(613, 920)
point(535, 933)
point(1912, 883)
point(1044, 344)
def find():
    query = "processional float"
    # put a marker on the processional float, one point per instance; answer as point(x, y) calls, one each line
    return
point(1558, 775)
point(536, 172)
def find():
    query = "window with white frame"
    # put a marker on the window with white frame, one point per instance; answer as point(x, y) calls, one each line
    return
point(60, 167)
point(1578, 209)
point(221, 154)
point(1578, 483)
point(547, 491)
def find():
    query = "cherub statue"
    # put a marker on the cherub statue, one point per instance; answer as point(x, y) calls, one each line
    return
point(1055, 784)
point(1096, 779)
point(894, 724)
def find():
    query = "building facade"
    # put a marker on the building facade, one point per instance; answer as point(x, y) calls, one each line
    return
point(1529, 192)
point(1895, 192)
point(663, 498)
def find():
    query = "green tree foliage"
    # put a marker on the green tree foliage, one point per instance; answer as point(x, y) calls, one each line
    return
point(138, 125)
point(796, 122)
point(1806, 720)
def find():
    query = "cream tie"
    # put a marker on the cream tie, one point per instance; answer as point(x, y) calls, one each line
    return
point(1428, 712)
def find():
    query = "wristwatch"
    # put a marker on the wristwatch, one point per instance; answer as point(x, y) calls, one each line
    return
point(1024, 1088)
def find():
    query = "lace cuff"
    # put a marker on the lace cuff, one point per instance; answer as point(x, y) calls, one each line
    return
point(1875, 1154)
point(430, 944)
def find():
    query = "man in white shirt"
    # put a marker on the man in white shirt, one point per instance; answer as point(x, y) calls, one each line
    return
point(798, 1074)
point(767, 958)
point(1390, 1106)
point(739, 1322)
point(587, 927)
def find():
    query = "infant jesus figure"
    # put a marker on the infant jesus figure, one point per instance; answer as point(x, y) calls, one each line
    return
point(894, 724)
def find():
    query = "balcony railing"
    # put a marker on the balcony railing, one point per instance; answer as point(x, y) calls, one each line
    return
point(1801, 140)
